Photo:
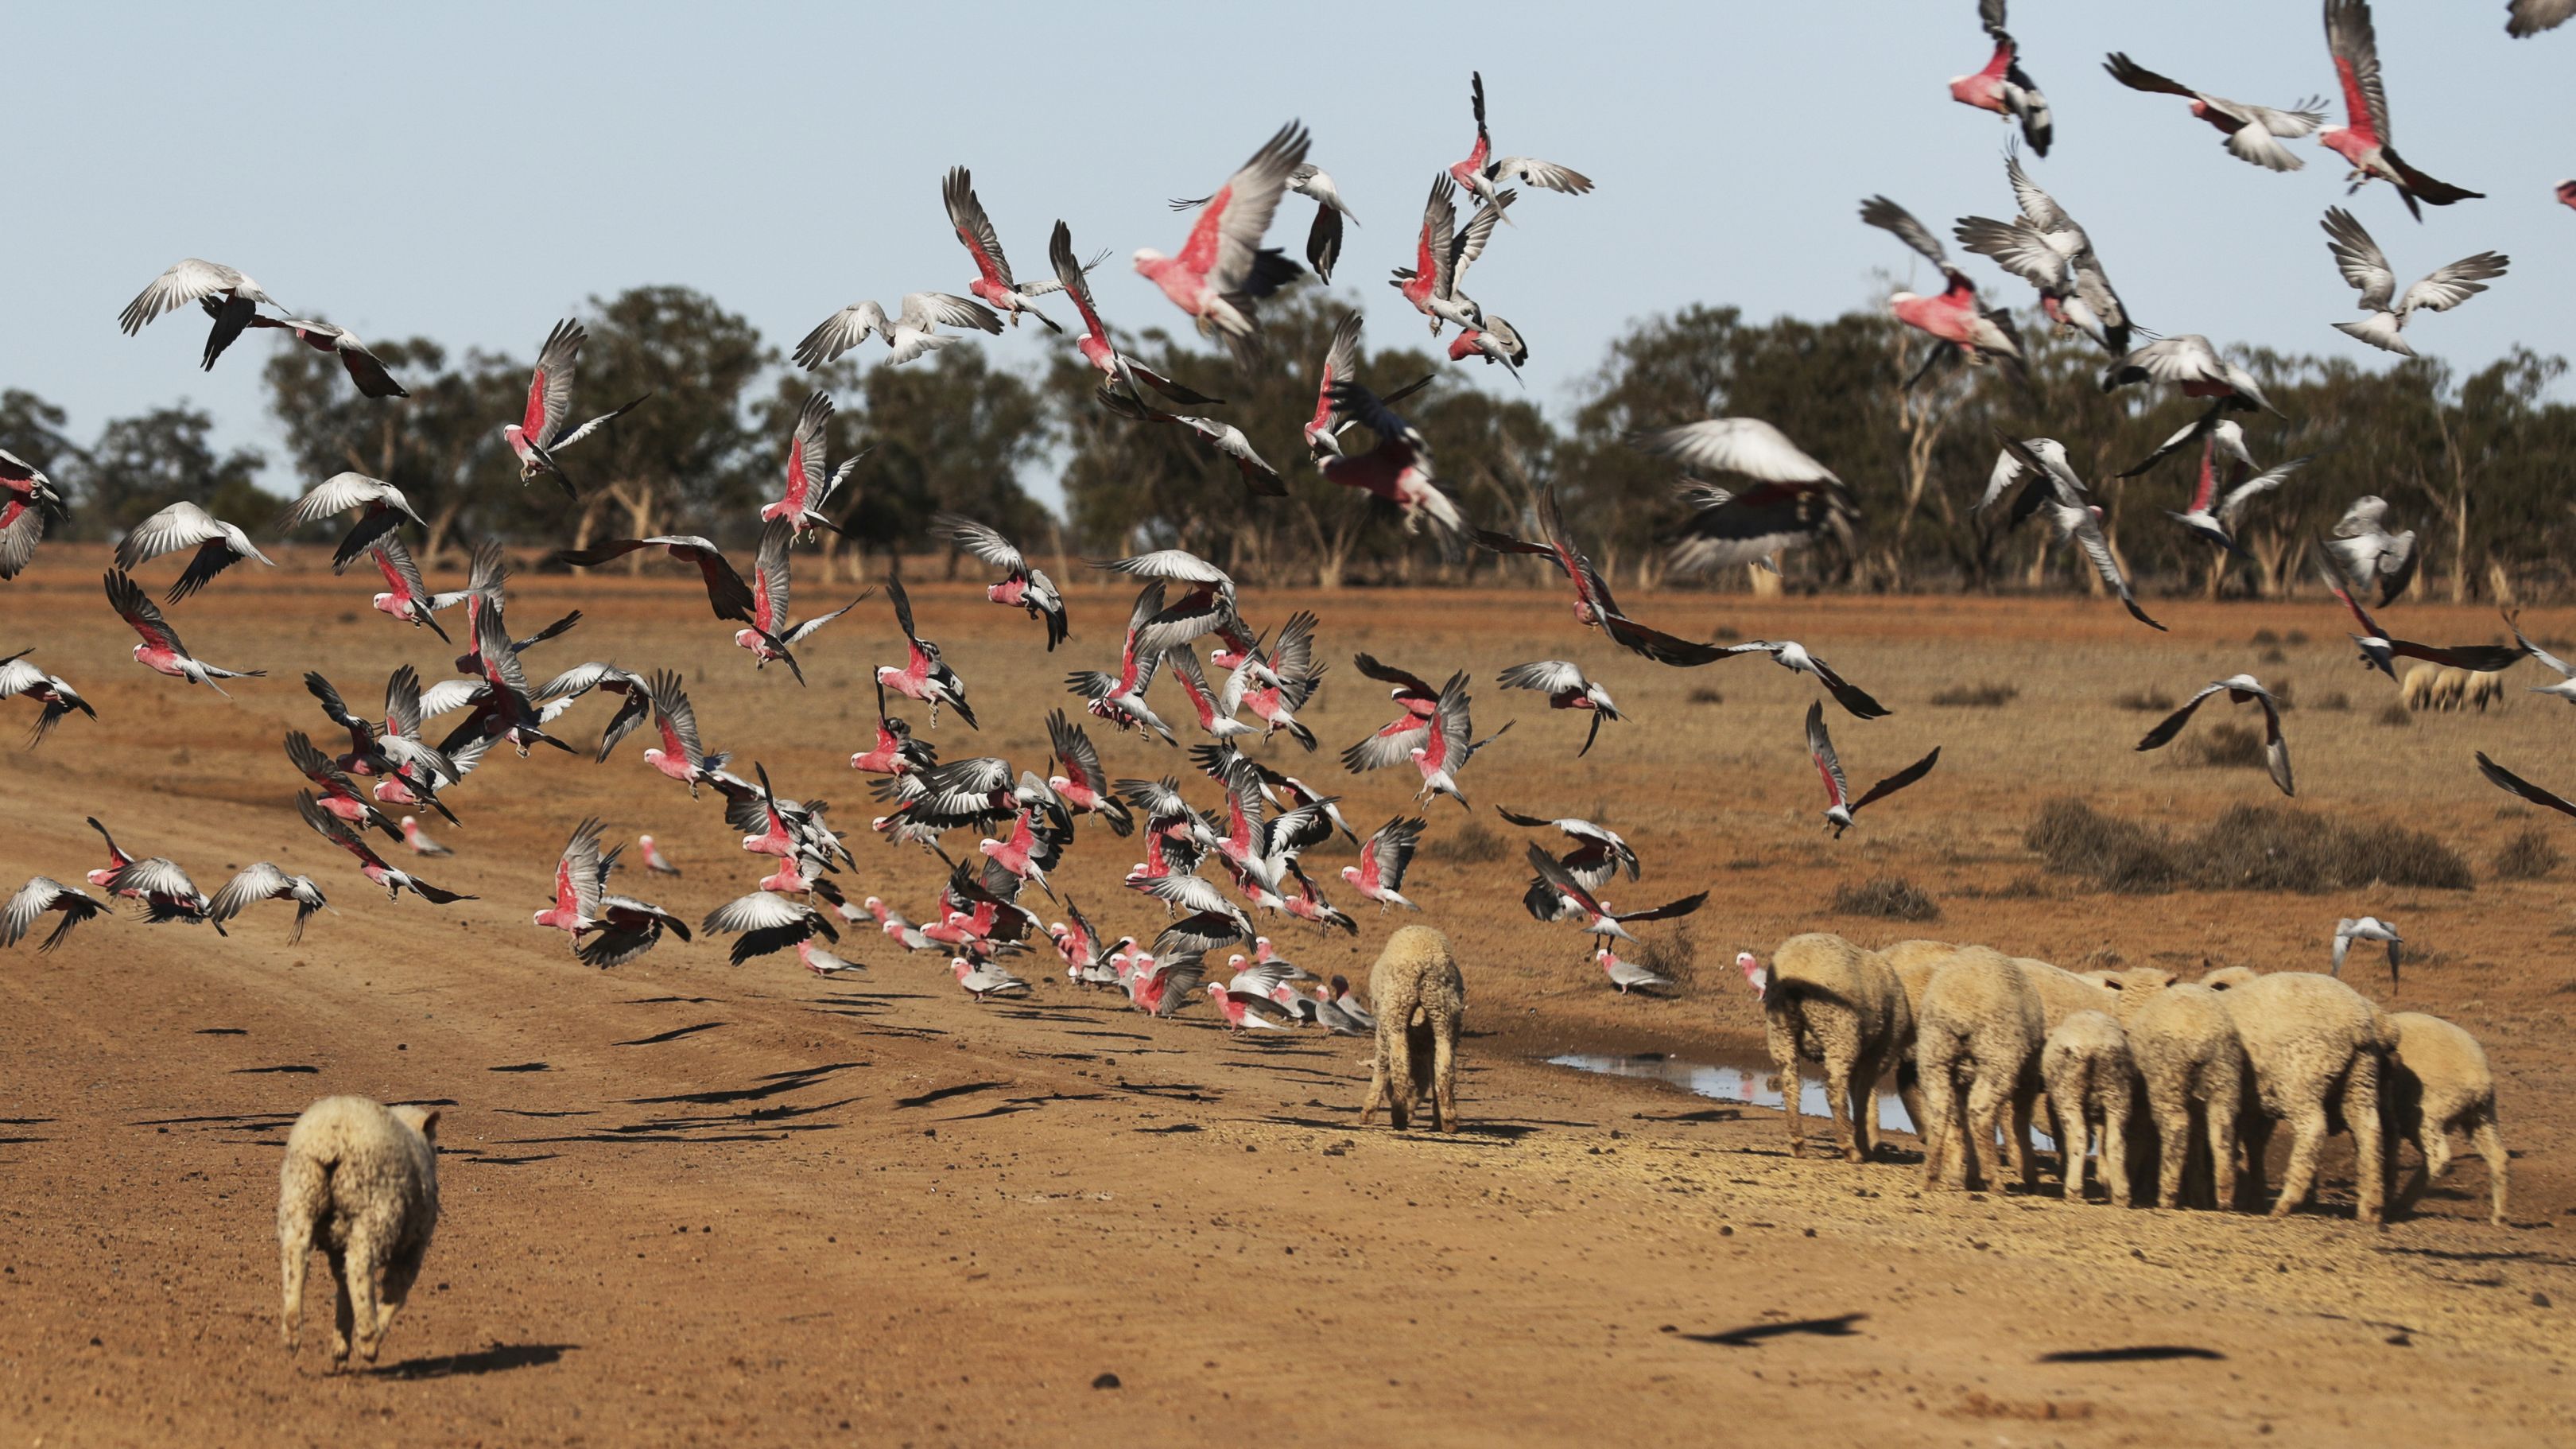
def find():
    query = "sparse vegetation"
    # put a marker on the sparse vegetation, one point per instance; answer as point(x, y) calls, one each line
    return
point(2272, 656)
point(2396, 715)
point(2295, 638)
point(2334, 700)
point(1888, 898)
point(1671, 956)
point(1702, 694)
point(1473, 844)
point(2528, 856)
point(2226, 746)
point(1989, 695)
point(2146, 701)
point(2266, 637)
point(2250, 847)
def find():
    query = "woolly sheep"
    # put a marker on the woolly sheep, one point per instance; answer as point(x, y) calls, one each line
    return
point(2315, 1046)
point(2417, 692)
point(1980, 1027)
point(2450, 689)
point(2438, 1082)
point(2486, 689)
point(1914, 962)
point(361, 1182)
point(2190, 1060)
point(2227, 978)
point(1421, 1005)
point(1830, 1001)
point(2062, 993)
point(2089, 1075)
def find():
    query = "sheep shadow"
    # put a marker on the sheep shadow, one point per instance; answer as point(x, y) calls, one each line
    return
point(499, 1358)
point(1752, 1334)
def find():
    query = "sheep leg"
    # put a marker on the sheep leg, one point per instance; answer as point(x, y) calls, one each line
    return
point(1444, 1076)
point(1838, 1075)
point(1986, 1100)
point(2307, 1138)
point(2489, 1143)
point(2257, 1136)
point(1780, 1033)
point(2219, 1120)
point(1936, 1100)
point(341, 1321)
point(365, 1262)
point(1909, 1092)
point(2070, 1148)
point(2361, 1115)
point(400, 1271)
point(2173, 1149)
point(1395, 1050)
point(2115, 1146)
point(2025, 1163)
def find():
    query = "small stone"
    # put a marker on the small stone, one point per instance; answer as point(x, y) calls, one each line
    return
point(2539, 1300)
point(1105, 1381)
point(1811, 1232)
point(1724, 1231)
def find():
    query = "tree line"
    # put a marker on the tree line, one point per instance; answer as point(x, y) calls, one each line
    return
point(2476, 464)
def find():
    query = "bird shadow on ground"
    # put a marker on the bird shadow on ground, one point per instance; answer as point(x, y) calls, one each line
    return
point(665, 1000)
point(1706, 1114)
point(291, 1068)
point(522, 1067)
point(768, 1086)
point(2497, 1255)
point(1121, 1035)
point(1168, 1091)
point(942, 1094)
point(220, 1031)
point(26, 1121)
point(1175, 1127)
point(868, 1027)
point(1752, 1334)
point(2132, 1353)
point(499, 1358)
point(674, 1034)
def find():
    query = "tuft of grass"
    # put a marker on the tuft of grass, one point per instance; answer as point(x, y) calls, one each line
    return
point(1745, 862)
point(1989, 695)
point(1671, 956)
point(1702, 694)
point(2249, 847)
point(1725, 635)
point(2227, 746)
point(1472, 845)
point(2528, 856)
point(2395, 715)
point(2146, 701)
point(2335, 701)
point(2295, 638)
point(2272, 655)
point(2266, 637)
point(1888, 898)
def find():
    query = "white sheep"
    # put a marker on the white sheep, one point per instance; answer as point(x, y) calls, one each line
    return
point(2193, 1066)
point(360, 1180)
point(2438, 1083)
point(1980, 1029)
point(1829, 1001)
point(2316, 1047)
point(2089, 1075)
point(1420, 1002)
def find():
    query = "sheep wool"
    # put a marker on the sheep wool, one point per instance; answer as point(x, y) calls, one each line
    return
point(1980, 1031)
point(1421, 1006)
point(1832, 1002)
point(2089, 1075)
point(2316, 1047)
point(360, 1181)
point(2439, 1083)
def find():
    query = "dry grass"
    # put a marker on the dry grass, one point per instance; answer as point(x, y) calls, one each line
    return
point(1472, 844)
point(2250, 847)
point(1889, 898)
point(2226, 746)
point(2334, 700)
point(1988, 695)
point(1671, 957)
point(2146, 701)
point(2528, 856)
point(1702, 694)
point(2396, 715)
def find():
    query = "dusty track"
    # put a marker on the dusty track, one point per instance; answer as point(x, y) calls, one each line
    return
point(693, 1204)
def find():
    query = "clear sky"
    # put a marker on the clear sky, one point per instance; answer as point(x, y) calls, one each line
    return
point(471, 172)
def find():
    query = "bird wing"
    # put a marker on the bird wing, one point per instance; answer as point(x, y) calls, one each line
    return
point(1547, 676)
point(2017, 247)
point(2504, 779)
point(840, 332)
point(2551, 661)
point(2037, 207)
point(974, 228)
point(2262, 482)
point(2450, 286)
point(675, 717)
point(1226, 242)
point(2352, 41)
point(188, 280)
point(181, 525)
point(2171, 725)
point(1470, 241)
point(1880, 212)
point(141, 614)
point(1820, 748)
point(2358, 257)
point(759, 911)
point(923, 309)
point(769, 605)
point(579, 873)
point(1069, 273)
point(1547, 174)
point(1074, 750)
point(1899, 780)
point(1736, 445)
point(550, 383)
point(2138, 78)
point(981, 540)
point(254, 883)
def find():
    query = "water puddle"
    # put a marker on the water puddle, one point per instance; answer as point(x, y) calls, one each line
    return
point(1750, 1081)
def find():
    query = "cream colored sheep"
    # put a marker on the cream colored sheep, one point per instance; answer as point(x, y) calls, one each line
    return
point(1914, 962)
point(2316, 1048)
point(2417, 691)
point(1980, 1029)
point(2062, 993)
point(2486, 689)
point(2450, 689)
point(361, 1182)
point(2192, 1064)
point(2438, 1082)
point(1829, 1001)
point(2091, 1082)
point(1421, 1006)
point(2227, 978)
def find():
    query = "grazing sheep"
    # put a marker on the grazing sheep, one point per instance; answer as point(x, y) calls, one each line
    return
point(2187, 1054)
point(1830, 1001)
point(1421, 1005)
point(2450, 689)
point(2486, 689)
point(360, 1182)
point(1980, 1027)
point(2417, 692)
point(2438, 1082)
point(2227, 978)
point(2089, 1075)
point(1914, 962)
point(2315, 1046)
point(2062, 993)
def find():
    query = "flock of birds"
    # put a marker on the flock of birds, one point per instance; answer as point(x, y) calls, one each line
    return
point(1214, 869)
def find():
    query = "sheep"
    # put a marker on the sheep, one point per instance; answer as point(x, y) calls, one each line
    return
point(2485, 689)
point(2227, 978)
point(2315, 1046)
point(2438, 1081)
point(2417, 692)
point(1421, 1005)
point(361, 1179)
point(1830, 1001)
point(2450, 688)
point(1914, 963)
point(2089, 1074)
point(2062, 993)
point(2187, 1054)
point(1980, 1026)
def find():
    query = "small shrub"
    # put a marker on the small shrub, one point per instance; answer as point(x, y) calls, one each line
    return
point(2513, 811)
point(1472, 845)
point(2263, 848)
point(1976, 696)
point(1670, 957)
point(1702, 694)
point(2272, 656)
point(2295, 638)
point(1745, 862)
point(1888, 898)
point(2250, 847)
point(2266, 637)
point(2528, 856)
point(2335, 701)
point(2227, 746)
point(2401, 857)
point(2395, 715)
point(2146, 701)
point(1725, 635)
point(2076, 839)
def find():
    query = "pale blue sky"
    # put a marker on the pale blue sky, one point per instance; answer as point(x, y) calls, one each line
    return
point(473, 171)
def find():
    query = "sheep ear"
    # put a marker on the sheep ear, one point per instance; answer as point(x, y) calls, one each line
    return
point(429, 1124)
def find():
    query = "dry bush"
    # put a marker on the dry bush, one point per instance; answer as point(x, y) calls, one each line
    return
point(1702, 694)
point(2250, 847)
point(2528, 856)
point(2272, 656)
point(1472, 845)
point(2266, 637)
point(2396, 715)
point(2335, 700)
point(1888, 898)
point(2226, 746)
point(2295, 638)
point(1976, 696)
point(1671, 956)
point(2146, 701)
